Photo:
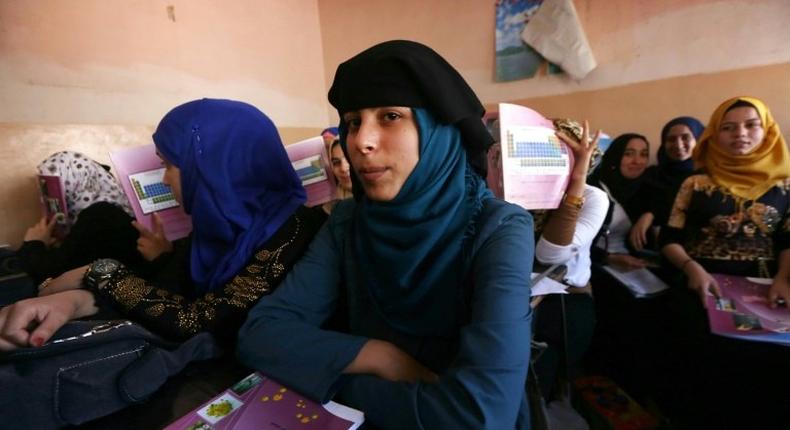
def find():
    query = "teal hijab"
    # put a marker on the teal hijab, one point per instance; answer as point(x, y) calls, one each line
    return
point(410, 249)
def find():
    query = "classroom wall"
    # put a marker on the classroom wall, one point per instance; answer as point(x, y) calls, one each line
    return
point(129, 62)
point(97, 75)
point(657, 59)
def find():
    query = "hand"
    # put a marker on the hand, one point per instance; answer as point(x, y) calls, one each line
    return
point(626, 262)
point(638, 235)
point(389, 362)
point(70, 280)
point(32, 322)
point(582, 151)
point(42, 231)
point(701, 281)
point(152, 244)
point(780, 289)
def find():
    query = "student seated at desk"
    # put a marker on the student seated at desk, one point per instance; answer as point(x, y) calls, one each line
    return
point(620, 175)
point(678, 139)
point(432, 271)
point(228, 168)
point(619, 344)
point(731, 218)
point(97, 223)
point(564, 236)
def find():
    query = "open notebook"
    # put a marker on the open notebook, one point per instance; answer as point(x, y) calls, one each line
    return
point(640, 282)
point(742, 311)
point(259, 403)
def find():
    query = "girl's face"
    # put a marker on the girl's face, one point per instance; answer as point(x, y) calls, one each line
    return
point(340, 168)
point(383, 147)
point(741, 131)
point(679, 143)
point(635, 158)
point(172, 178)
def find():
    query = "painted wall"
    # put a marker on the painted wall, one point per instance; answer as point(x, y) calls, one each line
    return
point(634, 41)
point(129, 62)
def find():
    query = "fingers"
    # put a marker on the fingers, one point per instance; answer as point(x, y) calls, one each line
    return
point(159, 228)
point(568, 140)
point(714, 288)
point(703, 296)
point(596, 138)
point(52, 223)
point(143, 230)
point(51, 323)
point(4, 344)
point(586, 132)
point(641, 237)
point(18, 317)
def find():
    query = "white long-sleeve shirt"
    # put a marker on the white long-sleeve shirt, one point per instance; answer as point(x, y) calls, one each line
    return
point(576, 255)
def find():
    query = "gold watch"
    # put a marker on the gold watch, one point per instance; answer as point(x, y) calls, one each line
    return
point(575, 201)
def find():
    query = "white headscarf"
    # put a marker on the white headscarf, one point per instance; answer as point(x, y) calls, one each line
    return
point(86, 182)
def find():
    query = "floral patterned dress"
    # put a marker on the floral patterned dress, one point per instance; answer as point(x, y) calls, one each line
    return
point(728, 234)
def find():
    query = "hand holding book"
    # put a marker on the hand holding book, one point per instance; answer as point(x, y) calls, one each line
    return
point(152, 244)
point(42, 231)
point(701, 281)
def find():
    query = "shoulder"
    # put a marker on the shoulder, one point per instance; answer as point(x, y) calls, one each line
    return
point(497, 216)
point(103, 210)
point(303, 224)
point(497, 211)
point(595, 195)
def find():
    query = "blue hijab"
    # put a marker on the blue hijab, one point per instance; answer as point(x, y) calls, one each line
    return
point(236, 182)
point(410, 249)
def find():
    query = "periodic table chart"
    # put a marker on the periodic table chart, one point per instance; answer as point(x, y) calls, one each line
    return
point(309, 170)
point(151, 192)
point(535, 150)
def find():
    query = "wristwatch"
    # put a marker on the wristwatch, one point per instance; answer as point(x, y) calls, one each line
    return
point(577, 201)
point(99, 271)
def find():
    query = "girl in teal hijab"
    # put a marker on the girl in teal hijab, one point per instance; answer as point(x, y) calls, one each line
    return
point(426, 274)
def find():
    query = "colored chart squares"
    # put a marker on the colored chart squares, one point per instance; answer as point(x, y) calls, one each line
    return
point(151, 193)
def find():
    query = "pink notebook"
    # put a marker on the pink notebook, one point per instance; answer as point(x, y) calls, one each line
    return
point(311, 163)
point(742, 311)
point(530, 166)
point(259, 403)
point(53, 203)
point(140, 172)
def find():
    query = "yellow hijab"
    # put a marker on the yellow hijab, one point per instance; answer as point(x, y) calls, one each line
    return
point(746, 176)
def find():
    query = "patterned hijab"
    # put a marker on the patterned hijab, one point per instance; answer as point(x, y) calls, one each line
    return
point(86, 182)
point(746, 176)
point(236, 182)
point(410, 249)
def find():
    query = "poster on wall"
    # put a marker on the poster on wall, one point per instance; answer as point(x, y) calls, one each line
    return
point(514, 58)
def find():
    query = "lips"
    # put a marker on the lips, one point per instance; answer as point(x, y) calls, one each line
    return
point(371, 174)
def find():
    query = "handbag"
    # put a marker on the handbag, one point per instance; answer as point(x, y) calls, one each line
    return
point(90, 369)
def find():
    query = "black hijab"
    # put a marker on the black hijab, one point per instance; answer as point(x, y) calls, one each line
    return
point(406, 73)
point(624, 190)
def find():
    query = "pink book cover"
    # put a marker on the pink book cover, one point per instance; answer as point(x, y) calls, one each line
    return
point(743, 312)
point(258, 402)
point(530, 166)
point(140, 172)
point(53, 202)
point(311, 163)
